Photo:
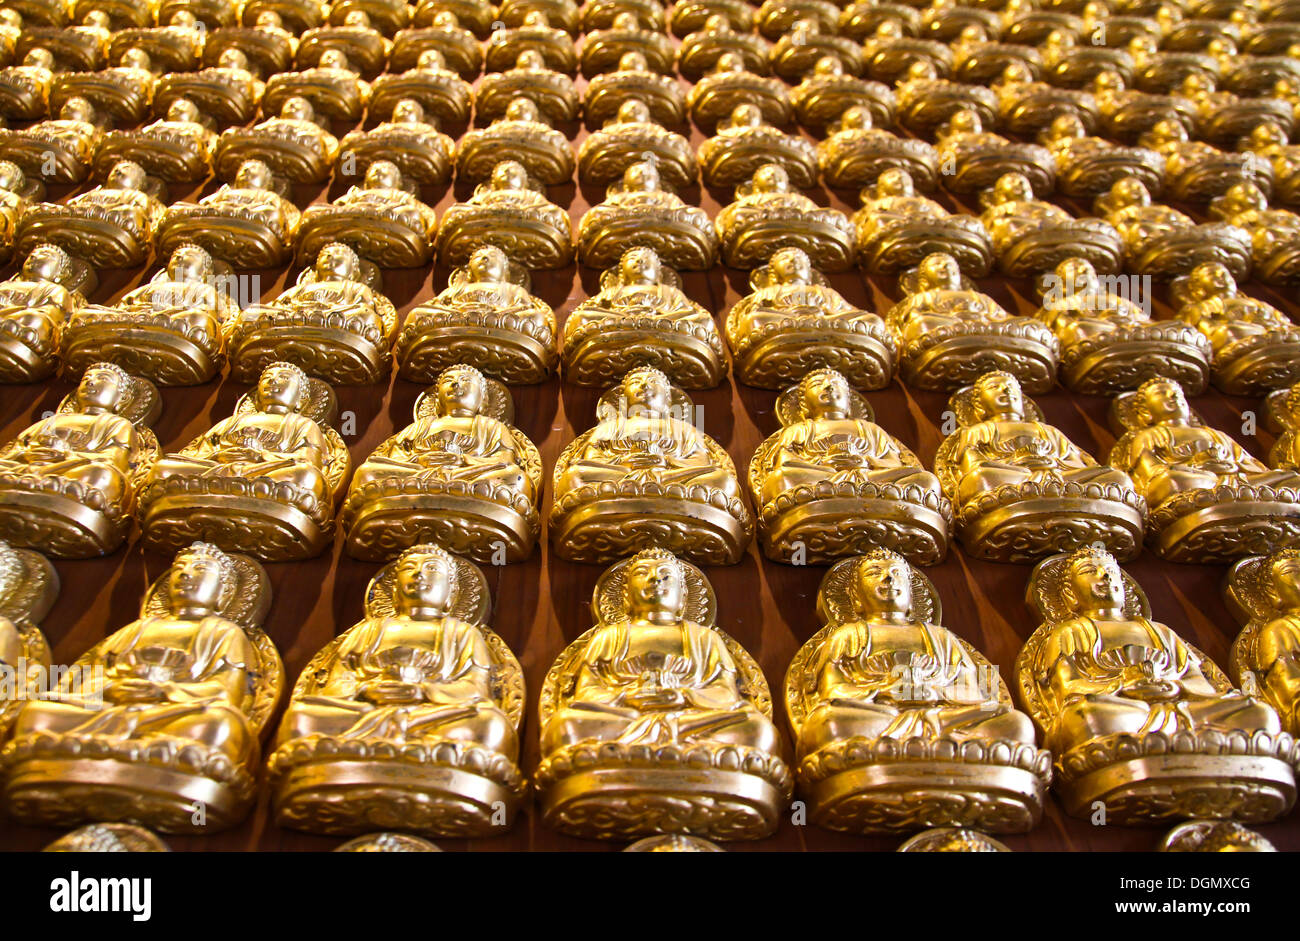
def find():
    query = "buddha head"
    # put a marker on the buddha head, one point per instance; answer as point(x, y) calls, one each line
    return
point(190, 263)
point(297, 108)
point(1130, 191)
point(655, 586)
point(1164, 132)
point(1161, 401)
point(201, 581)
point(1066, 127)
point(488, 264)
point(771, 178)
point(357, 18)
point(253, 174)
point(1242, 197)
point(445, 19)
point(461, 391)
point(183, 111)
point(857, 118)
point(335, 59)
point(998, 397)
point(137, 59)
point(639, 267)
point(94, 838)
point(338, 262)
point(647, 393)
point(881, 586)
point(96, 19)
point(921, 70)
point(409, 111)
point(1227, 836)
point(183, 19)
point(1093, 585)
point(103, 388)
point(1210, 279)
point(1016, 73)
point(825, 394)
point(729, 62)
point(46, 262)
point(1283, 579)
point(1267, 134)
point(1058, 40)
point(232, 58)
point(963, 122)
point(536, 18)
point(893, 183)
point(509, 175)
point(530, 59)
point(1076, 276)
point(889, 28)
point(746, 115)
point(1012, 188)
point(972, 34)
point(1196, 84)
point(717, 23)
point(281, 389)
point(1107, 81)
point(828, 67)
point(791, 266)
point(126, 175)
point(1222, 47)
point(77, 108)
point(425, 582)
point(641, 177)
point(383, 175)
point(939, 271)
point(952, 841)
point(431, 60)
point(269, 19)
point(12, 177)
point(633, 111)
point(632, 61)
point(522, 109)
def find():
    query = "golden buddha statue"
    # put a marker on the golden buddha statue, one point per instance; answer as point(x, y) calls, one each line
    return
point(1223, 117)
point(510, 211)
point(743, 143)
point(28, 586)
point(897, 229)
point(1274, 233)
point(25, 88)
point(364, 46)
point(640, 211)
point(34, 306)
point(655, 721)
point(1137, 718)
point(946, 20)
point(898, 722)
point(176, 46)
point(459, 475)
point(827, 92)
point(261, 36)
point(1031, 235)
point(952, 840)
point(438, 90)
point(797, 49)
point(1028, 107)
point(1214, 836)
point(503, 47)
point(1109, 343)
point(170, 706)
point(641, 317)
point(409, 141)
point(1163, 242)
point(646, 476)
point(1269, 37)
point(176, 149)
point(1126, 114)
point(262, 481)
point(74, 46)
point(249, 223)
point(228, 91)
point(1254, 76)
point(1163, 71)
point(978, 157)
point(776, 18)
point(832, 483)
point(294, 144)
point(562, 14)
point(295, 15)
point(1262, 592)
point(794, 321)
point(334, 88)
point(600, 14)
point(626, 139)
point(58, 150)
point(634, 80)
point(926, 101)
point(381, 220)
point(1269, 141)
point(485, 318)
point(890, 51)
point(334, 322)
point(110, 226)
point(715, 96)
point(855, 153)
point(691, 16)
point(981, 61)
point(411, 717)
point(768, 215)
point(861, 18)
point(716, 36)
point(17, 192)
point(108, 838)
point(551, 91)
point(1021, 488)
point(603, 49)
point(950, 334)
point(542, 150)
point(1253, 341)
point(460, 49)
point(1196, 171)
point(169, 330)
point(68, 482)
point(1069, 63)
point(1088, 166)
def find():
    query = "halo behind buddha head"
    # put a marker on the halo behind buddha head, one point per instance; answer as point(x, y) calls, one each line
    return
point(1048, 592)
point(835, 595)
point(497, 401)
point(472, 601)
point(609, 599)
point(790, 407)
point(140, 403)
point(245, 588)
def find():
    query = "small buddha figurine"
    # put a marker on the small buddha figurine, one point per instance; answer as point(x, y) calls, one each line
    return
point(442, 93)
point(1163, 242)
point(640, 211)
point(827, 92)
point(1274, 233)
point(168, 330)
point(979, 157)
point(551, 91)
point(176, 149)
point(1068, 63)
point(293, 16)
point(896, 229)
point(108, 838)
point(1196, 171)
point(74, 46)
point(1027, 107)
point(1112, 692)
point(1126, 114)
point(262, 481)
point(1021, 488)
point(64, 146)
point(797, 50)
point(122, 93)
point(110, 226)
point(176, 46)
point(364, 46)
point(855, 153)
point(715, 96)
point(777, 18)
point(262, 37)
point(509, 210)
point(980, 61)
point(768, 215)
point(460, 49)
point(950, 334)
point(641, 317)
point(644, 449)
point(1262, 591)
point(34, 306)
point(459, 473)
point(1031, 235)
point(1269, 141)
point(418, 703)
point(634, 80)
point(520, 132)
point(334, 322)
point(744, 143)
point(381, 220)
point(248, 223)
point(228, 91)
point(1254, 343)
point(16, 193)
point(926, 101)
point(794, 321)
point(25, 88)
point(890, 52)
point(860, 19)
point(1253, 76)
point(626, 138)
point(1269, 37)
point(1223, 117)
point(952, 840)
point(702, 47)
point(603, 49)
point(1163, 71)
point(486, 318)
point(333, 87)
point(655, 695)
point(69, 481)
point(294, 144)
point(1024, 21)
point(409, 141)
point(832, 483)
point(385, 16)
point(946, 21)
point(562, 14)
point(503, 47)
point(172, 704)
point(1109, 343)
point(28, 586)
point(1214, 836)
point(898, 722)
point(1088, 166)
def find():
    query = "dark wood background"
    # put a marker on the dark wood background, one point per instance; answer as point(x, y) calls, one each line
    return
point(542, 604)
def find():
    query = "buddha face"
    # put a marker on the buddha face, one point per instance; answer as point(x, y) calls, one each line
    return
point(460, 392)
point(11, 176)
point(196, 583)
point(509, 175)
point(625, 21)
point(536, 18)
point(101, 390)
point(1162, 400)
point(530, 59)
point(1058, 39)
point(77, 108)
point(639, 266)
point(1108, 81)
point(921, 70)
point(383, 175)
point(232, 59)
point(1268, 134)
point(424, 580)
point(183, 110)
point(253, 174)
point(856, 118)
point(972, 34)
point(654, 587)
point(717, 24)
point(269, 19)
point(940, 272)
point(1244, 196)
point(894, 182)
point(998, 394)
point(445, 19)
point(632, 61)
point(1284, 581)
point(356, 18)
point(1013, 188)
point(825, 395)
point(771, 178)
point(791, 266)
point(280, 389)
point(1067, 126)
point(1167, 131)
point(334, 59)
point(1077, 276)
point(889, 29)
point(1196, 84)
point(189, 263)
point(641, 178)
point(746, 116)
point(828, 66)
point(183, 20)
point(964, 122)
point(488, 264)
point(432, 60)
point(1016, 74)
point(521, 109)
point(1130, 192)
point(633, 111)
point(337, 262)
point(882, 586)
point(1212, 280)
point(45, 263)
point(137, 59)
point(297, 108)
point(647, 393)
point(729, 62)
point(1095, 583)
point(39, 58)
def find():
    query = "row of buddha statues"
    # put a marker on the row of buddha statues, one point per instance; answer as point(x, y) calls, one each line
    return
point(654, 721)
